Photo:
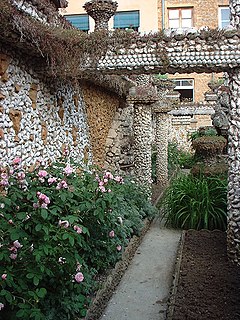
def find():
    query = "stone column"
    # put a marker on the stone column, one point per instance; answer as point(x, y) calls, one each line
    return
point(101, 11)
point(142, 127)
point(162, 147)
point(235, 13)
point(233, 230)
point(167, 98)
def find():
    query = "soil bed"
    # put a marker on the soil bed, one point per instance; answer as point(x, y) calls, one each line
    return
point(209, 284)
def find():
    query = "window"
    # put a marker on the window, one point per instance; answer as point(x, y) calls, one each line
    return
point(223, 17)
point(180, 18)
point(126, 19)
point(80, 21)
point(186, 89)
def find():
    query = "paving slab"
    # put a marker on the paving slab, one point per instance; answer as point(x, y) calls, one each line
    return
point(144, 289)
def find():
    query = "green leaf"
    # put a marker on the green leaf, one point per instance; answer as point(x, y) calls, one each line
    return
point(41, 292)
point(45, 249)
point(30, 275)
point(44, 214)
point(38, 227)
point(45, 229)
point(71, 240)
point(65, 236)
point(20, 314)
point(21, 215)
point(36, 281)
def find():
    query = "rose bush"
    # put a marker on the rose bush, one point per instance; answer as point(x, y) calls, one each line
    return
point(60, 226)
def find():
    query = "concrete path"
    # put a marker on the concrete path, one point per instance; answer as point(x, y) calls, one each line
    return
point(143, 291)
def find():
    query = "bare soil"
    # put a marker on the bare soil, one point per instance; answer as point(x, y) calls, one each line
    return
point(209, 284)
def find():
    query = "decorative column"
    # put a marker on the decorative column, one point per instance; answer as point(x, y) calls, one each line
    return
point(101, 11)
point(234, 6)
point(167, 99)
point(142, 100)
point(233, 231)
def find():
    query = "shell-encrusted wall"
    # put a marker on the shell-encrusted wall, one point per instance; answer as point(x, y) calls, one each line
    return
point(119, 144)
point(37, 122)
point(101, 107)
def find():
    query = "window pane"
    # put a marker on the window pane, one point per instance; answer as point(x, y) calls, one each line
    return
point(126, 19)
point(187, 13)
point(174, 24)
point(174, 14)
point(80, 21)
point(225, 24)
point(186, 23)
point(187, 83)
point(225, 14)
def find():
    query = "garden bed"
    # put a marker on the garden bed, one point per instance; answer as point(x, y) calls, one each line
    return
point(207, 284)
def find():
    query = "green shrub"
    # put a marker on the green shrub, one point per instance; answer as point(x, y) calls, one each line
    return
point(179, 158)
point(61, 225)
point(196, 203)
point(203, 131)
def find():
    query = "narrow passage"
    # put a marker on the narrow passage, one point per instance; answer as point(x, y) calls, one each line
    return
point(143, 291)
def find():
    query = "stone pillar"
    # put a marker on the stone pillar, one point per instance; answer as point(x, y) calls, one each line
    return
point(101, 11)
point(167, 98)
point(162, 148)
point(235, 13)
point(233, 231)
point(142, 127)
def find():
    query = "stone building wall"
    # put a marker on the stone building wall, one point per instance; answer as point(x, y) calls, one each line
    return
point(205, 11)
point(101, 107)
point(39, 120)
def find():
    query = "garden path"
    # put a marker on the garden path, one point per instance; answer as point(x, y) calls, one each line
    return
point(144, 289)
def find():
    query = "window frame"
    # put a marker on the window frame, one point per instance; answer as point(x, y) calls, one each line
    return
point(180, 19)
point(220, 21)
point(134, 27)
point(79, 15)
point(182, 87)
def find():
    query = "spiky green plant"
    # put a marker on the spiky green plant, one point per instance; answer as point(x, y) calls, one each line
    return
point(196, 203)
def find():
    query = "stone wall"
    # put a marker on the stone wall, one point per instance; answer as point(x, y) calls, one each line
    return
point(119, 143)
point(185, 121)
point(39, 120)
point(101, 107)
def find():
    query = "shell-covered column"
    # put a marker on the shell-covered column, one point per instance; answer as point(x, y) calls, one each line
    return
point(235, 13)
point(233, 232)
point(167, 99)
point(162, 148)
point(101, 11)
point(142, 127)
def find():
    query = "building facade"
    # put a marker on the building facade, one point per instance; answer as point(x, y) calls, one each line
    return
point(139, 15)
point(193, 14)
point(153, 15)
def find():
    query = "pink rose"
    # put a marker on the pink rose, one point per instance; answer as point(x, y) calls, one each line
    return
point(13, 256)
point(4, 276)
point(52, 180)
point(1, 306)
point(42, 173)
point(68, 170)
point(79, 277)
point(111, 234)
point(64, 223)
point(119, 248)
point(77, 229)
point(17, 244)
